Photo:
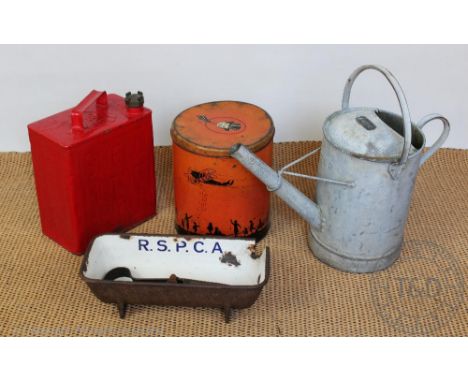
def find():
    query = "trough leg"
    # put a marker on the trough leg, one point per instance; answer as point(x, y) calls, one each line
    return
point(122, 309)
point(227, 314)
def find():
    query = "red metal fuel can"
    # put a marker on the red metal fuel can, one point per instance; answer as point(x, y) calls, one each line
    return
point(94, 168)
point(214, 194)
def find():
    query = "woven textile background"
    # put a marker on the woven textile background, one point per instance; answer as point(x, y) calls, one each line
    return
point(421, 294)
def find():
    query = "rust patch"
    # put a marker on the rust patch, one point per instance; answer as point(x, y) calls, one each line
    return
point(253, 253)
point(125, 236)
point(172, 279)
point(229, 259)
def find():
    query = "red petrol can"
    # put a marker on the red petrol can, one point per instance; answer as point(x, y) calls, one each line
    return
point(94, 168)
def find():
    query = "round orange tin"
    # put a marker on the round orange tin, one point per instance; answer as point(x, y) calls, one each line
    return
point(215, 194)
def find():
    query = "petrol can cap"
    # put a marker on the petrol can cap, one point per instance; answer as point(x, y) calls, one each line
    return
point(134, 100)
point(212, 128)
point(367, 133)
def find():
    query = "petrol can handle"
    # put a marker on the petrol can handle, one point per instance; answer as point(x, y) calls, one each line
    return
point(440, 141)
point(94, 97)
point(401, 100)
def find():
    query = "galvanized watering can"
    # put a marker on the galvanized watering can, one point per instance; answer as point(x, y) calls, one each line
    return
point(368, 165)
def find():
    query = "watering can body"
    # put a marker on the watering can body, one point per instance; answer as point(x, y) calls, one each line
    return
point(368, 164)
point(362, 224)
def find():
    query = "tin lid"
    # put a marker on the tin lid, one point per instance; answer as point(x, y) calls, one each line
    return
point(98, 113)
point(367, 133)
point(212, 128)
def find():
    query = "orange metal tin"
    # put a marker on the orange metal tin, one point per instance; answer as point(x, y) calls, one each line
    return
point(214, 194)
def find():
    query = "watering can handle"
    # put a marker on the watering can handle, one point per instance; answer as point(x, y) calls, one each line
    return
point(437, 144)
point(401, 100)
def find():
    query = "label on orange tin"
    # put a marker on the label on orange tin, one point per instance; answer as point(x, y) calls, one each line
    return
point(212, 128)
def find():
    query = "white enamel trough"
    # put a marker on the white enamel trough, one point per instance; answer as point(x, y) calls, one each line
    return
point(175, 270)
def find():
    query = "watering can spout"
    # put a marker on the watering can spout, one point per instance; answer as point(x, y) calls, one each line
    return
point(281, 187)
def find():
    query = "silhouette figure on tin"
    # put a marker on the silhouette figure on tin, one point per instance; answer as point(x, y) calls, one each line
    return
point(195, 227)
point(245, 231)
point(260, 224)
point(210, 228)
point(252, 226)
point(186, 222)
point(218, 232)
point(236, 225)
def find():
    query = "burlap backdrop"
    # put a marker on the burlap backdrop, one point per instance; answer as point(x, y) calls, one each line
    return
point(422, 294)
